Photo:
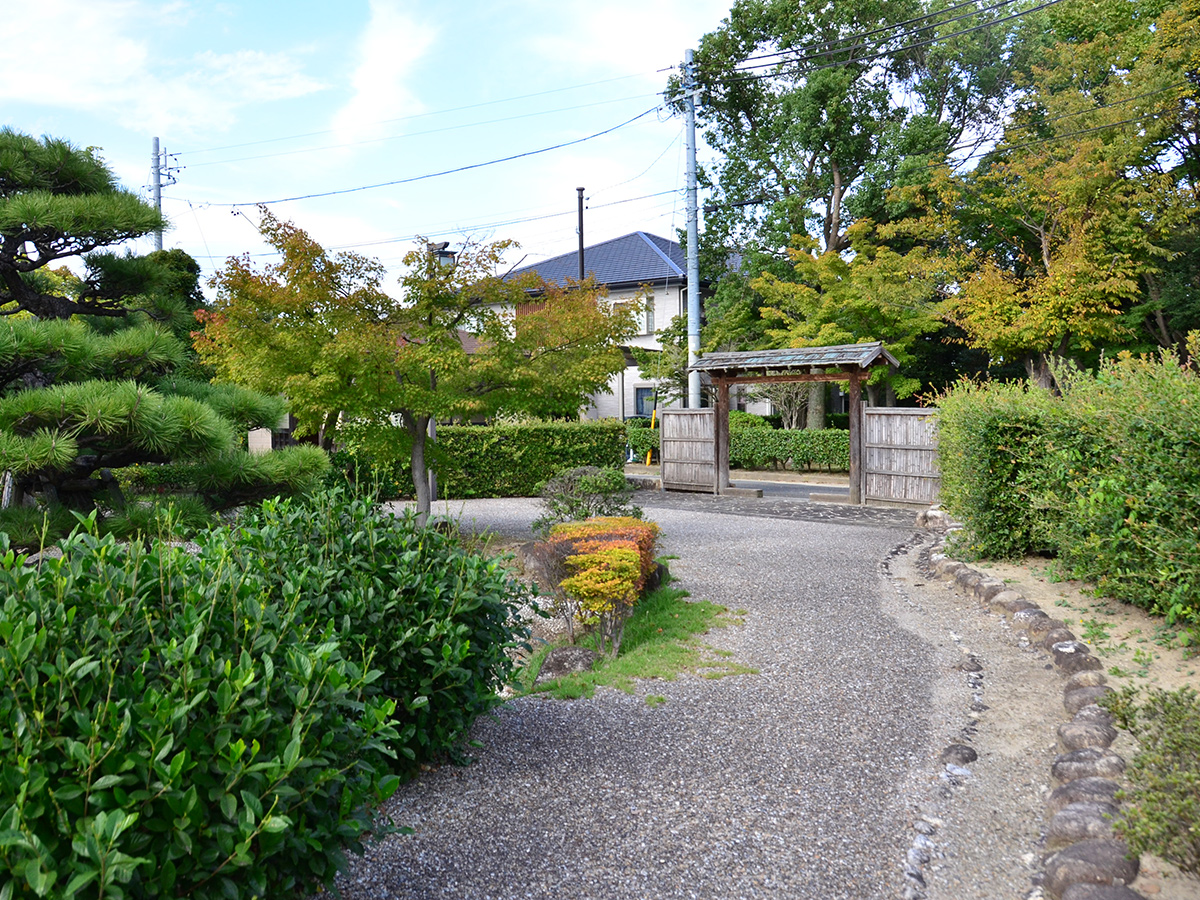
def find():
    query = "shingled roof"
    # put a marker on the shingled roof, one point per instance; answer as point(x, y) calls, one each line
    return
point(628, 261)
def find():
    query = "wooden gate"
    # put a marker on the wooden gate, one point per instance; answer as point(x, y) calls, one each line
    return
point(687, 450)
point(900, 455)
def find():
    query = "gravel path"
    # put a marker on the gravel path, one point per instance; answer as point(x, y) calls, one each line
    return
point(788, 783)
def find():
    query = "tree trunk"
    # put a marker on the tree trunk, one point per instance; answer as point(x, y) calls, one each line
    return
point(816, 406)
point(872, 394)
point(889, 394)
point(417, 426)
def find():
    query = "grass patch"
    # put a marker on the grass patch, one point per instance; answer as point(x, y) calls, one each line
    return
point(661, 641)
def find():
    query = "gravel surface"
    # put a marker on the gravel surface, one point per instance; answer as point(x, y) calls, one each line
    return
point(805, 780)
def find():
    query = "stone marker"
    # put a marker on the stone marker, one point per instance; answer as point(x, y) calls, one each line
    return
point(1100, 892)
point(1086, 679)
point(1056, 636)
point(1074, 656)
point(1094, 713)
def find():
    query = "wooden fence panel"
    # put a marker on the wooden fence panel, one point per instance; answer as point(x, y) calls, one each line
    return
point(900, 455)
point(687, 450)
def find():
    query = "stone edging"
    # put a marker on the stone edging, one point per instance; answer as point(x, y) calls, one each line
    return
point(1088, 861)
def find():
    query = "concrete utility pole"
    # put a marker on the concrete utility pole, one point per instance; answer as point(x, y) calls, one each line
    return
point(156, 187)
point(693, 231)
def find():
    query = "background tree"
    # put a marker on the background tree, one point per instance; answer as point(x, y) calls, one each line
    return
point(819, 111)
point(94, 375)
point(460, 343)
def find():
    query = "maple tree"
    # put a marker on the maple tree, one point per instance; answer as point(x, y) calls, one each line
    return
point(461, 342)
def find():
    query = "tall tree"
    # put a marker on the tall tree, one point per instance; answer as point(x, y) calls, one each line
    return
point(818, 111)
point(460, 342)
point(93, 372)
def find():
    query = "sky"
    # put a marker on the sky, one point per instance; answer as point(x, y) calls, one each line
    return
point(260, 101)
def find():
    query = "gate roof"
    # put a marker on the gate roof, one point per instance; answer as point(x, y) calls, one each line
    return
point(849, 357)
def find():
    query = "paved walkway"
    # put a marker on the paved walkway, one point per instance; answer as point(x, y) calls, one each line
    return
point(784, 784)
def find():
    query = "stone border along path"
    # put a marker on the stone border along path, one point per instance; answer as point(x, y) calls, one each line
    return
point(1090, 863)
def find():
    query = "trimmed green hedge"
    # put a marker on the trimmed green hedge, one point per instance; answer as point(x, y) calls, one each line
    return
point(489, 461)
point(760, 448)
point(1107, 476)
point(224, 725)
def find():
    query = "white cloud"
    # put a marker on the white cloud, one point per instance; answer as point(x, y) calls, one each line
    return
point(105, 57)
point(392, 42)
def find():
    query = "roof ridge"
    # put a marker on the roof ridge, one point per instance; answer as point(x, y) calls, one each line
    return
point(653, 246)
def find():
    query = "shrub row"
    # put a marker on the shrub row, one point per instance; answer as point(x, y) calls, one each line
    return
point(761, 447)
point(222, 724)
point(1107, 476)
point(497, 460)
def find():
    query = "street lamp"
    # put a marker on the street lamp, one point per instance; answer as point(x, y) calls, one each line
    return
point(444, 257)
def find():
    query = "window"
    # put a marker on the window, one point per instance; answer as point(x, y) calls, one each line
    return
point(644, 402)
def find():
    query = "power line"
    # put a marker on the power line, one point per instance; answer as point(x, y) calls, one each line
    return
point(826, 50)
point(396, 137)
point(740, 73)
point(439, 112)
point(480, 165)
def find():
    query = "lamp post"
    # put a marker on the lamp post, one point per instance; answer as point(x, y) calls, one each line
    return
point(443, 257)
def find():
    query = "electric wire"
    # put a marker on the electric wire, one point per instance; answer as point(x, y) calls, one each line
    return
point(479, 165)
point(396, 137)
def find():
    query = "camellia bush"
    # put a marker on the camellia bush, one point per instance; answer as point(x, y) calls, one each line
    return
point(224, 724)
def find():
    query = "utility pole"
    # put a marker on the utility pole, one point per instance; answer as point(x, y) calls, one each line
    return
point(156, 187)
point(693, 230)
point(581, 269)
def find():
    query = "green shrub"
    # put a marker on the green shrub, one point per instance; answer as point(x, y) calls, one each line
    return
point(173, 731)
point(769, 448)
point(740, 419)
point(30, 528)
point(223, 725)
point(994, 450)
point(584, 492)
point(642, 441)
point(1161, 811)
point(487, 461)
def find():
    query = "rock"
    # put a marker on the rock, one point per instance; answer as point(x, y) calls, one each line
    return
point(948, 568)
point(1056, 636)
point(1093, 714)
point(1074, 656)
point(566, 661)
point(1082, 790)
point(1077, 822)
point(1022, 618)
point(989, 588)
point(959, 754)
point(968, 578)
point(1096, 861)
point(1086, 679)
point(1081, 735)
point(1100, 892)
point(1077, 699)
point(1090, 762)
point(1039, 628)
point(935, 519)
point(970, 664)
point(1011, 602)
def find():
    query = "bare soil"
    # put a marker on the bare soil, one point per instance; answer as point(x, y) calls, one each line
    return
point(1136, 648)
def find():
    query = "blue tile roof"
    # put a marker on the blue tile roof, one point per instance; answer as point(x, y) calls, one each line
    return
point(633, 259)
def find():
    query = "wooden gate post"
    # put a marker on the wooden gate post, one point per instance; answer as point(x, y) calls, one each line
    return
point(856, 440)
point(721, 435)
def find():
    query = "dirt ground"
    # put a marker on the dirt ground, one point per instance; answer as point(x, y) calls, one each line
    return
point(1136, 649)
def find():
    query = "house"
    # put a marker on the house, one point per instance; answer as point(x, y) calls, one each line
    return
point(626, 265)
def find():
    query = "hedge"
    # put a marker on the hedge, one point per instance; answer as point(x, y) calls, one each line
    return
point(1107, 477)
point(759, 447)
point(494, 460)
point(224, 724)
